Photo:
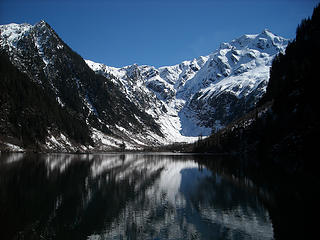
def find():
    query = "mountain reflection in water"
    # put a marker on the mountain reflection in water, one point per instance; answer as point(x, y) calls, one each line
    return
point(124, 196)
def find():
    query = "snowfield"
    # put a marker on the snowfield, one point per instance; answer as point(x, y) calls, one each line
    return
point(181, 94)
point(186, 100)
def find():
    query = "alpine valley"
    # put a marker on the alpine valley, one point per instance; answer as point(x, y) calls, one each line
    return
point(53, 100)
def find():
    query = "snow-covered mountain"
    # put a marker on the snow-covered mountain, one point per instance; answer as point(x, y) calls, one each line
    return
point(141, 105)
point(194, 97)
point(110, 117)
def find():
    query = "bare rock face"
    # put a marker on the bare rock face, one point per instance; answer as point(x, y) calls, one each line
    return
point(208, 92)
point(38, 52)
point(142, 105)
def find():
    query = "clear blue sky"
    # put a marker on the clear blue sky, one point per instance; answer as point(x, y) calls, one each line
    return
point(156, 32)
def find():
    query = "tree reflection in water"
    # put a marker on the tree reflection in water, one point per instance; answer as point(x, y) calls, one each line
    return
point(115, 196)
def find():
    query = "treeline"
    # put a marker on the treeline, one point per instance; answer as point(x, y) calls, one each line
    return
point(276, 144)
point(29, 104)
point(294, 76)
point(27, 111)
point(285, 125)
point(241, 136)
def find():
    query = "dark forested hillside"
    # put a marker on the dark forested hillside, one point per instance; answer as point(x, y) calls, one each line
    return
point(294, 77)
point(51, 99)
point(285, 125)
point(28, 112)
point(276, 144)
point(293, 87)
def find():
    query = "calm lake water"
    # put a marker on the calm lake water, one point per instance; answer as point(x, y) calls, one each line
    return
point(125, 196)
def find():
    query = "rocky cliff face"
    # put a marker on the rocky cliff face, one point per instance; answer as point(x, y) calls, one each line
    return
point(205, 93)
point(136, 105)
point(110, 117)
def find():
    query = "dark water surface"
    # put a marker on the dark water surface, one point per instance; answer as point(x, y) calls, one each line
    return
point(125, 196)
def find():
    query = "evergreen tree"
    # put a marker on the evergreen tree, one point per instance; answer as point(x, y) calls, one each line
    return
point(29, 111)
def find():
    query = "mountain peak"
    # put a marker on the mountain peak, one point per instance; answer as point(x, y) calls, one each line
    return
point(266, 30)
point(266, 41)
point(42, 24)
point(178, 98)
point(11, 33)
point(266, 33)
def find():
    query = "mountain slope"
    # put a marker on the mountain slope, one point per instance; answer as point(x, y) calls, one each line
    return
point(38, 52)
point(277, 142)
point(137, 106)
point(28, 113)
point(194, 97)
point(283, 128)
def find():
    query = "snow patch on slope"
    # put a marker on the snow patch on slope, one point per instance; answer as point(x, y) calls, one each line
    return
point(186, 100)
point(12, 33)
point(178, 97)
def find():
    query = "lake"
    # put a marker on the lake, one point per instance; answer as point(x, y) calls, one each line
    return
point(127, 196)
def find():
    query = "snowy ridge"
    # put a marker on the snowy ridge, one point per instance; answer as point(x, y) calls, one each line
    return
point(171, 103)
point(111, 120)
point(194, 97)
point(12, 33)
